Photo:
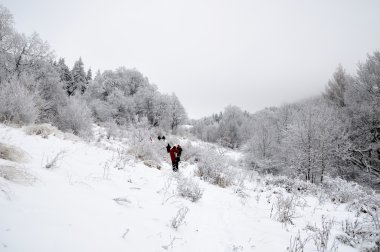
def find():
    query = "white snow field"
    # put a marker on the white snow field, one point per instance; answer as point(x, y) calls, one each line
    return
point(87, 201)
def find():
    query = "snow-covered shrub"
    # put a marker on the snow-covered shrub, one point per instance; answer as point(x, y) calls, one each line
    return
point(143, 145)
point(17, 104)
point(53, 162)
point(366, 231)
point(342, 191)
point(352, 233)
point(373, 247)
point(168, 190)
point(322, 235)
point(263, 166)
point(101, 110)
point(215, 169)
point(188, 188)
point(291, 185)
point(179, 218)
point(16, 174)
point(43, 130)
point(284, 209)
point(112, 129)
point(75, 117)
point(122, 158)
point(12, 153)
point(192, 152)
point(297, 244)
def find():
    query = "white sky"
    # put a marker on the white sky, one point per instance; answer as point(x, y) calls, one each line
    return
point(249, 53)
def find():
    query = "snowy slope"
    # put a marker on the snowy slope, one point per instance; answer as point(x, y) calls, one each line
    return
point(86, 204)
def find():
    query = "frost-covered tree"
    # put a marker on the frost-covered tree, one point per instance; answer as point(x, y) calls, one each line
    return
point(89, 75)
point(6, 41)
point(312, 142)
point(263, 141)
point(36, 88)
point(206, 129)
point(79, 79)
point(177, 113)
point(144, 99)
point(65, 76)
point(51, 93)
point(161, 113)
point(17, 103)
point(363, 102)
point(336, 87)
point(230, 127)
point(75, 117)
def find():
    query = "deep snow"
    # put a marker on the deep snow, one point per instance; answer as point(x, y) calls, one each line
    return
point(86, 204)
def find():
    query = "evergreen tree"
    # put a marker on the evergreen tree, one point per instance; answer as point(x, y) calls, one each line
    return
point(79, 77)
point(65, 76)
point(89, 75)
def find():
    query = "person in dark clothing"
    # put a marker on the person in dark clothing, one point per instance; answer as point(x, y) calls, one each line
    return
point(179, 152)
point(168, 147)
point(163, 138)
point(178, 156)
point(159, 138)
point(173, 157)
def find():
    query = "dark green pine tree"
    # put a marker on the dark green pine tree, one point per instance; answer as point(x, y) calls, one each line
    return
point(66, 77)
point(79, 76)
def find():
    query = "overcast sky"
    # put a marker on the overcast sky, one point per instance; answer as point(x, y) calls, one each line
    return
point(253, 54)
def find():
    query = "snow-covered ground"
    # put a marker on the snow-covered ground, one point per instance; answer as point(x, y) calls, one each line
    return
point(89, 202)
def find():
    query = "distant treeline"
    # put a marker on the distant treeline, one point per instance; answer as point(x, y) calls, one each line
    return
point(337, 133)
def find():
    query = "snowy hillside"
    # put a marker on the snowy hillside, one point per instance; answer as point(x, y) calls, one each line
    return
point(96, 197)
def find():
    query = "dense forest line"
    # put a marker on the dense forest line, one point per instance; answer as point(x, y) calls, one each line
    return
point(335, 133)
point(37, 88)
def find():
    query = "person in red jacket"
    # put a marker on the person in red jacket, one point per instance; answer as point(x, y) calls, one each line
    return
point(173, 157)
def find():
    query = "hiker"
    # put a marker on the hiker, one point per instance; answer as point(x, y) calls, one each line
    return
point(178, 156)
point(173, 157)
point(163, 138)
point(179, 152)
point(159, 138)
point(168, 147)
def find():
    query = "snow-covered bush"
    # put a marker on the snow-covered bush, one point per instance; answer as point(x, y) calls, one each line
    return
point(143, 145)
point(284, 209)
point(297, 244)
point(53, 162)
point(291, 185)
point(215, 169)
point(16, 174)
point(188, 188)
point(352, 233)
point(12, 153)
point(322, 235)
point(75, 117)
point(373, 247)
point(192, 152)
point(112, 129)
point(43, 130)
point(342, 191)
point(17, 104)
point(263, 166)
point(101, 110)
point(179, 218)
